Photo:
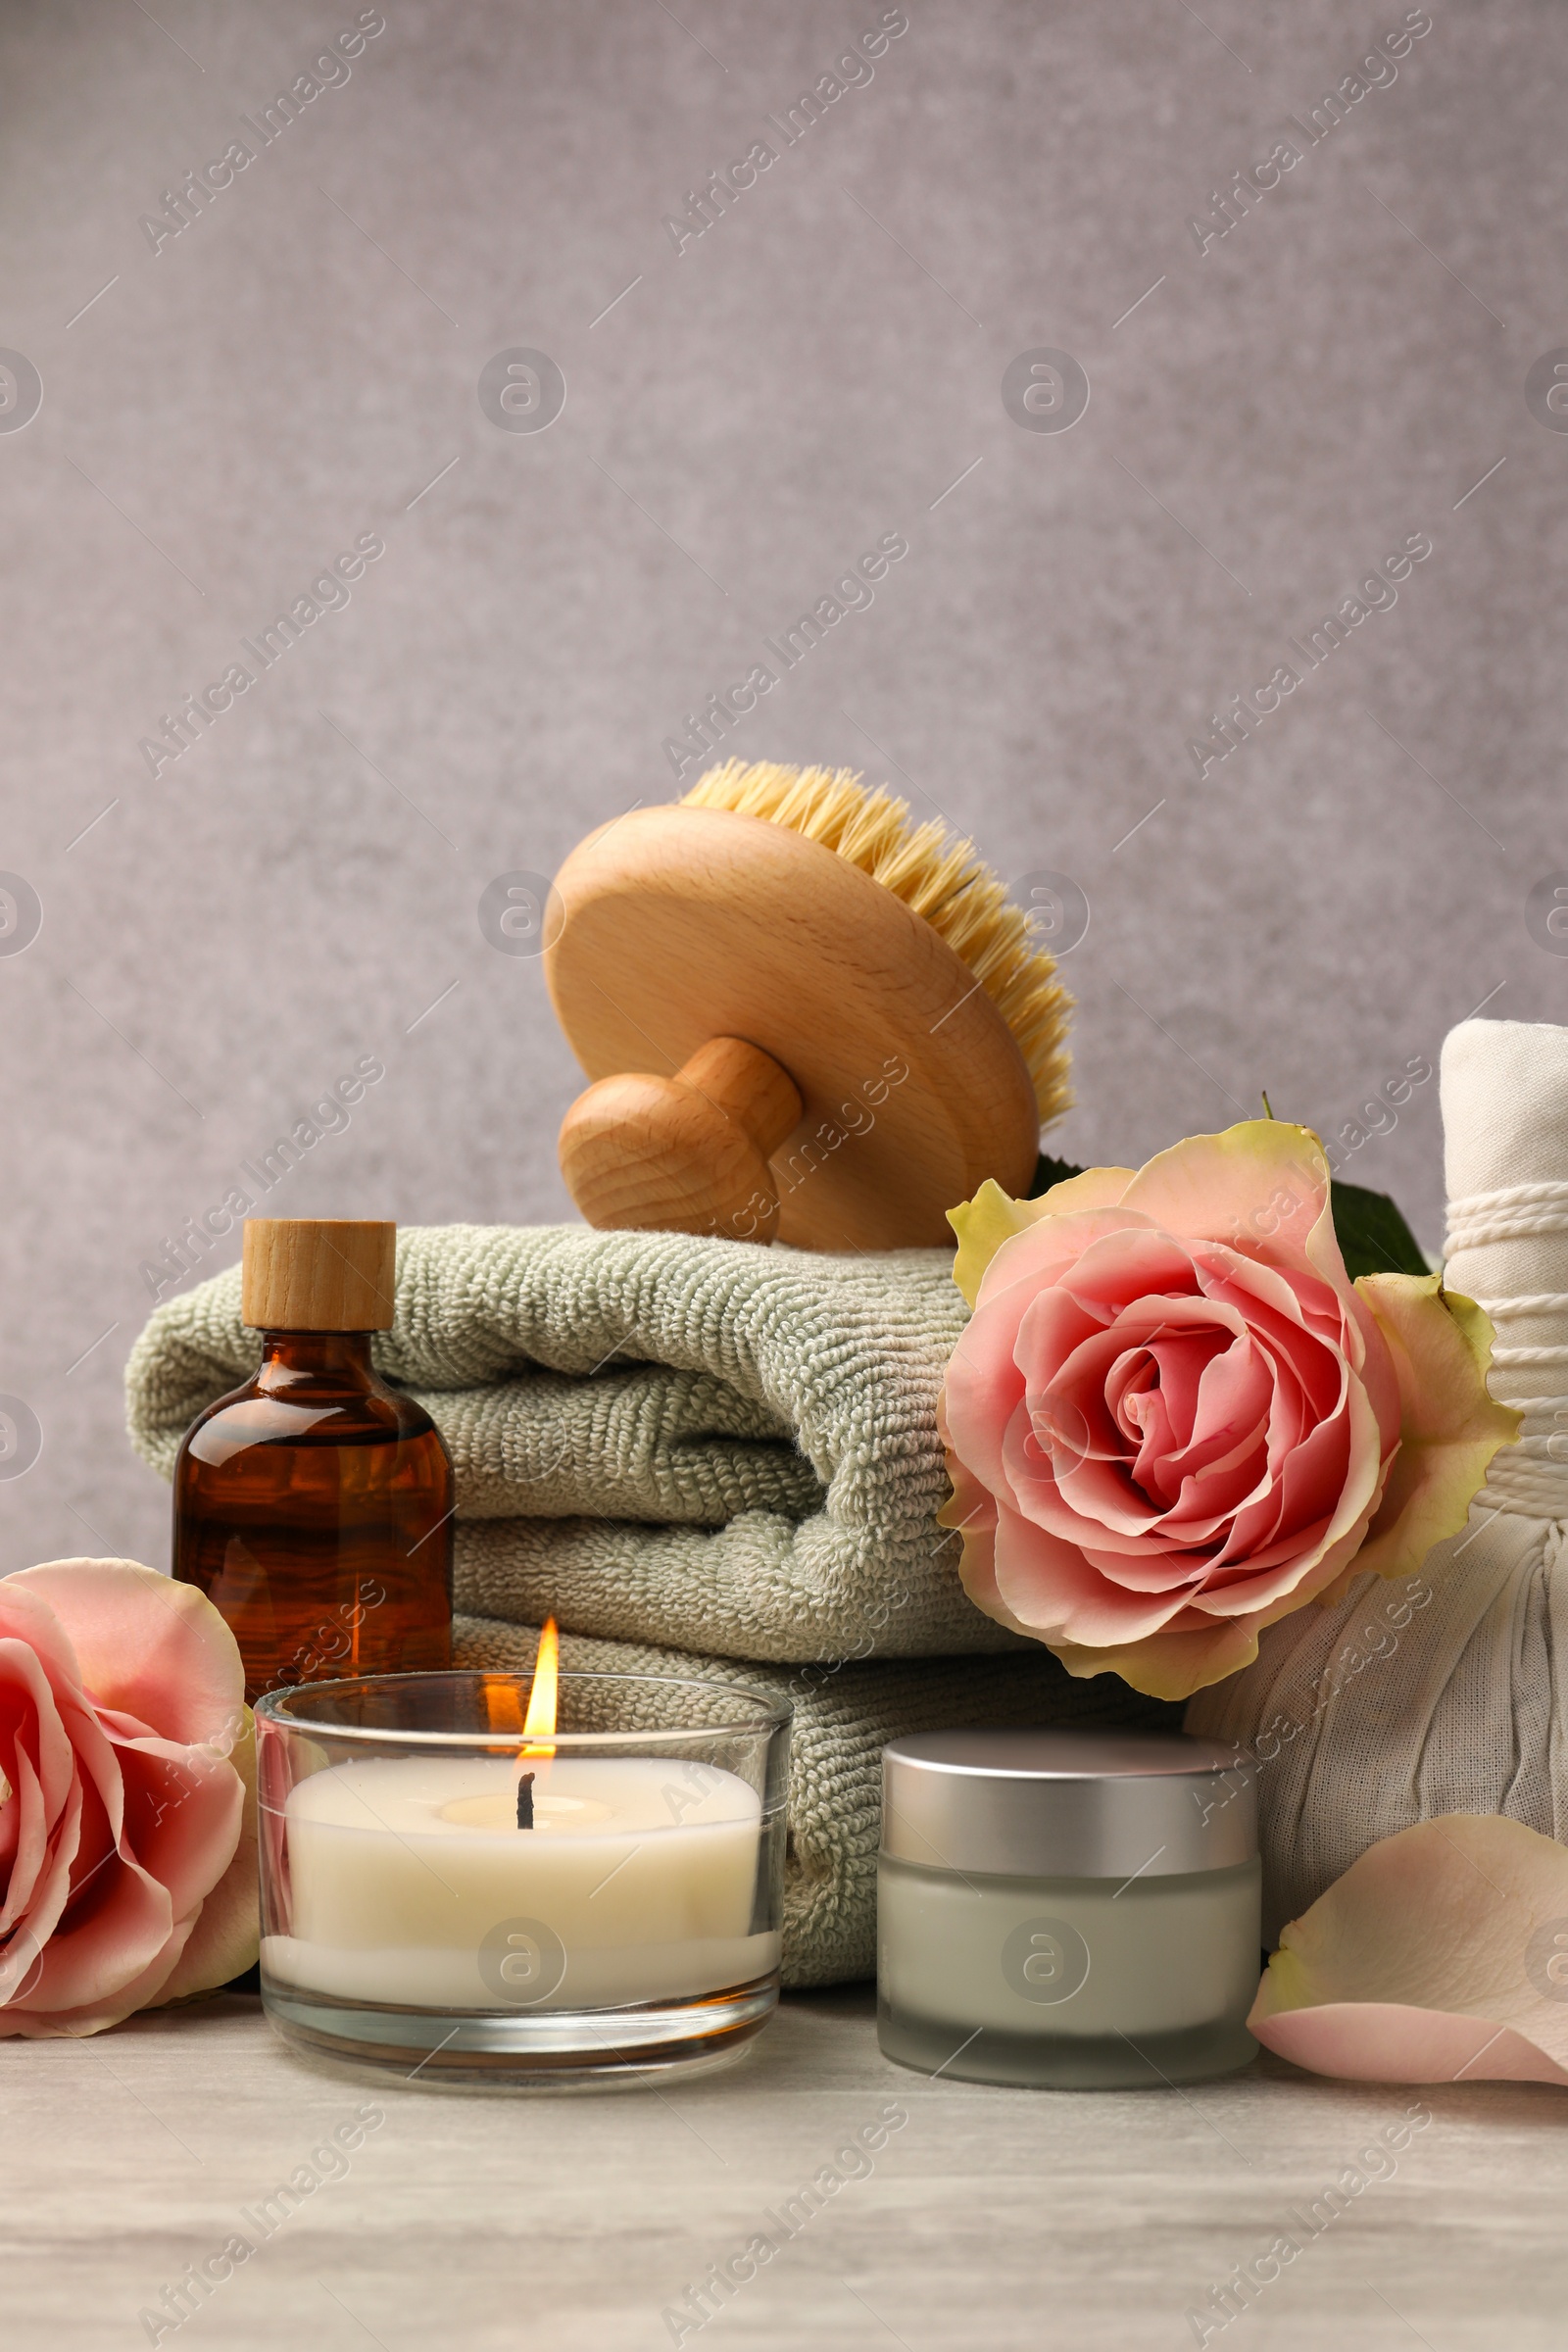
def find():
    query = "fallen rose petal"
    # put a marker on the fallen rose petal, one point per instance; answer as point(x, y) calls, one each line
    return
point(1441, 1955)
point(1381, 2042)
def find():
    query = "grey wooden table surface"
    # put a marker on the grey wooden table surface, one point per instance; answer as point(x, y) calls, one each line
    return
point(991, 2217)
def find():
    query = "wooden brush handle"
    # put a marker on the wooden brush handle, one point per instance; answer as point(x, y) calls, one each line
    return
point(688, 1153)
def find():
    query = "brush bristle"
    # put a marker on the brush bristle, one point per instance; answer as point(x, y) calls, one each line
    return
point(934, 871)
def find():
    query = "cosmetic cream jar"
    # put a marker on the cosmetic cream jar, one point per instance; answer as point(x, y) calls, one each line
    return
point(1073, 1909)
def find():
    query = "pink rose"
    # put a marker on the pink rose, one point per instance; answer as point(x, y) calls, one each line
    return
point(1174, 1418)
point(128, 1843)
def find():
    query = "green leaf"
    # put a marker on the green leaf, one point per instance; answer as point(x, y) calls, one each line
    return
point(1049, 1171)
point(1373, 1236)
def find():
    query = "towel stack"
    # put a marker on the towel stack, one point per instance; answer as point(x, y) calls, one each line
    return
point(699, 1456)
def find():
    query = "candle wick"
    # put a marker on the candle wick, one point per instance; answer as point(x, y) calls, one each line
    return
point(525, 1802)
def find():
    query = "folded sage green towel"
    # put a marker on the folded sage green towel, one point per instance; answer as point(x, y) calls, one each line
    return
point(843, 1719)
point(702, 1443)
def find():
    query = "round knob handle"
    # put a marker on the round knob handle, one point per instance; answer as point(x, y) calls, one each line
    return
point(688, 1153)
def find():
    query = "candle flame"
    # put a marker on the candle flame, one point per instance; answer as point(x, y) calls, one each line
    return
point(540, 1720)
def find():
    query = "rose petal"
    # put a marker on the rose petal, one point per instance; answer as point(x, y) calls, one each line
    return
point(225, 1940)
point(1450, 1426)
point(1050, 1247)
point(122, 1939)
point(1261, 1186)
point(983, 1389)
point(1234, 1405)
point(1433, 1957)
point(992, 1217)
point(1059, 1592)
point(971, 1503)
point(175, 1664)
point(977, 1571)
point(1114, 1264)
point(1171, 1662)
point(26, 1616)
point(182, 1815)
point(94, 2015)
point(36, 1759)
point(1378, 2042)
point(1052, 1326)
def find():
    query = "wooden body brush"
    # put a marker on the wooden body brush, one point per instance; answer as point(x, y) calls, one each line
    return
point(807, 1016)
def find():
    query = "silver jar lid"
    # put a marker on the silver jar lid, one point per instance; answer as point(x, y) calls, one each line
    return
point(1071, 1804)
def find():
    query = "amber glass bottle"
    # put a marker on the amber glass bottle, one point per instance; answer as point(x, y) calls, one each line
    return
point(314, 1506)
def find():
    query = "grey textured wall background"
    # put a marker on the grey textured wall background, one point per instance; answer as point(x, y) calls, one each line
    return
point(824, 365)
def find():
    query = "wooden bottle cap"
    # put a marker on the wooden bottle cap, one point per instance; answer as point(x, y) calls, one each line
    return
point(318, 1273)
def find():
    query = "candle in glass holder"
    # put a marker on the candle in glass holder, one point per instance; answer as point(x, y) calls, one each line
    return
point(529, 1903)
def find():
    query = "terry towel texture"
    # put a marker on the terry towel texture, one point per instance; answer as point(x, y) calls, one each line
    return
point(699, 1443)
point(843, 1719)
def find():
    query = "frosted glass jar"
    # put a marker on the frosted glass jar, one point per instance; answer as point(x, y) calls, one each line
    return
point(1075, 1910)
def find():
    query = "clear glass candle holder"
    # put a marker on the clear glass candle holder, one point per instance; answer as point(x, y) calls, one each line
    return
point(451, 1900)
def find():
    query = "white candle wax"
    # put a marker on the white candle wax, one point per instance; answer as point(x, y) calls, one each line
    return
point(410, 1883)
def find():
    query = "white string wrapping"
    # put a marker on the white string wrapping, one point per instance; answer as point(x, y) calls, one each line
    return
point(1446, 1692)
